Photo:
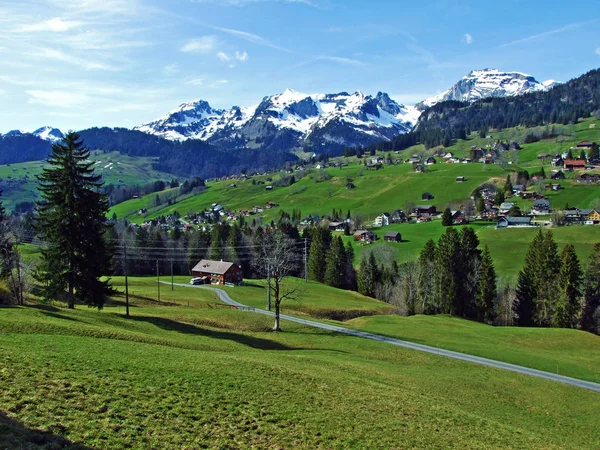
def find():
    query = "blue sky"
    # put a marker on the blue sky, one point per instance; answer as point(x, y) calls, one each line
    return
point(80, 63)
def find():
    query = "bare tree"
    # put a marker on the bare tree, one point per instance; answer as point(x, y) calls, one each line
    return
point(276, 260)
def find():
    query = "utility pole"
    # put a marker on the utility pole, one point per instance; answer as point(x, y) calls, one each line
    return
point(126, 280)
point(305, 260)
point(20, 287)
point(269, 287)
point(172, 288)
point(158, 280)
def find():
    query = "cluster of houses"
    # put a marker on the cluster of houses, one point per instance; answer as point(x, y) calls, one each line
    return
point(568, 163)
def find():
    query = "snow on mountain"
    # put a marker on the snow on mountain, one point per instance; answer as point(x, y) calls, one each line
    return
point(49, 134)
point(290, 120)
point(485, 83)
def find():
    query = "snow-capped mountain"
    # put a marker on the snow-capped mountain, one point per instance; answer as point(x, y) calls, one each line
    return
point(49, 134)
point(485, 83)
point(290, 120)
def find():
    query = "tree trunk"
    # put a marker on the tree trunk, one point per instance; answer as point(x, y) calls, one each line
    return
point(277, 303)
point(71, 299)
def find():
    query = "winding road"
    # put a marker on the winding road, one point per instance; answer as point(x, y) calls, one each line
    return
point(225, 298)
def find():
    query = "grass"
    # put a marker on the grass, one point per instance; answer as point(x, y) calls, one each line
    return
point(196, 377)
point(567, 352)
point(19, 183)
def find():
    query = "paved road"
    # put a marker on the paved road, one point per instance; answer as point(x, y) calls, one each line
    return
point(225, 298)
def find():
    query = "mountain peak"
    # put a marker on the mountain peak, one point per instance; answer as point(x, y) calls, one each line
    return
point(483, 83)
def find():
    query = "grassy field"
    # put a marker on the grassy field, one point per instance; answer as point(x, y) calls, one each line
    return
point(189, 376)
point(19, 183)
point(508, 246)
point(566, 352)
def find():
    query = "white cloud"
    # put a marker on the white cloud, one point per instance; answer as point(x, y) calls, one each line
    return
point(202, 82)
point(2, 92)
point(204, 44)
point(171, 69)
point(241, 56)
point(56, 25)
point(342, 60)
point(598, 51)
point(223, 56)
point(545, 34)
point(58, 99)
point(57, 55)
point(467, 39)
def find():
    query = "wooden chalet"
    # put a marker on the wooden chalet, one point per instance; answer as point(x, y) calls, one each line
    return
point(392, 236)
point(364, 235)
point(574, 164)
point(218, 272)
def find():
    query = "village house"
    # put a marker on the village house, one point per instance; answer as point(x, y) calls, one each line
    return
point(505, 207)
point(592, 217)
point(558, 162)
point(574, 164)
point(392, 236)
point(556, 187)
point(460, 179)
point(399, 216)
point(427, 196)
point(337, 226)
point(458, 217)
point(510, 222)
point(541, 206)
point(425, 210)
point(364, 235)
point(588, 178)
point(430, 161)
point(518, 188)
point(557, 175)
point(586, 145)
point(350, 186)
point(383, 220)
point(217, 272)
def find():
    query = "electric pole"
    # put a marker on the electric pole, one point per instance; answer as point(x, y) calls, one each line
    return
point(126, 281)
point(158, 280)
point(305, 260)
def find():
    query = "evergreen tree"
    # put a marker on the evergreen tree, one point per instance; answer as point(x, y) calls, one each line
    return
point(524, 305)
point(6, 248)
point(335, 269)
point(590, 312)
point(499, 198)
point(508, 187)
point(321, 238)
point(480, 205)
point(486, 287)
point(447, 218)
point(569, 283)
point(72, 220)
point(426, 282)
point(548, 270)
point(448, 262)
point(594, 153)
point(350, 272)
point(368, 276)
point(582, 155)
point(467, 273)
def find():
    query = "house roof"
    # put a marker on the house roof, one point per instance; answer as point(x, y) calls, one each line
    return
point(217, 267)
point(335, 224)
point(542, 203)
point(507, 205)
point(361, 232)
point(516, 220)
point(575, 162)
point(392, 234)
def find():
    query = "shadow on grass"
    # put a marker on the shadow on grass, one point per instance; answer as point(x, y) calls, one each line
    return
point(15, 435)
point(253, 285)
point(250, 341)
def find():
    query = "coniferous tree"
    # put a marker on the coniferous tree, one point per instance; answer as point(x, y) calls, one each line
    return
point(570, 277)
point(321, 238)
point(447, 218)
point(499, 198)
point(368, 276)
point(6, 248)
point(590, 312)
point(524, 305)
point(467, 274)
point(549, 268)
point(72, 220)
point(447, 261)
point(508, 187)
point(350, 272)
point(426, 283)
point(335, 269)
point(486, 287)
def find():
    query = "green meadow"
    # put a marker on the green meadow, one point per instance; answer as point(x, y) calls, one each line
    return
point(185, 373)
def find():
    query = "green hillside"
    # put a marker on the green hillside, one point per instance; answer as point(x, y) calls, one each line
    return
point(194, 376)
point(19, 183)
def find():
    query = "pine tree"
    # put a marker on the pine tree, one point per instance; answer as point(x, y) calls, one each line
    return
point(447, 218)
point(499, 198)
point(321, 238)
point(447, 262)
point(590, 312)
point(467, 273)
point(569, 283)
point(350, 272)
point(524, 305)
point(548, 270)
point(368, 276)
point(335, 263)
point(72, 220)
point(426, 282)
point(508, 187)
point(486, 287)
